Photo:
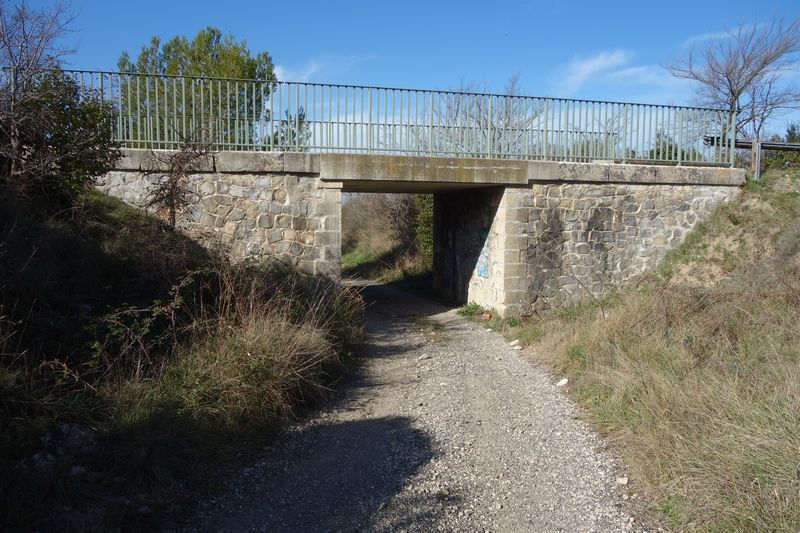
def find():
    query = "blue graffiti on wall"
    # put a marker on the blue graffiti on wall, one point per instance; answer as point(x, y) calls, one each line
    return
point(483, 260)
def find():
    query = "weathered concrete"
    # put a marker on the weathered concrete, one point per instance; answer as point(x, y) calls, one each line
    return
point(516, 236)
point(355, 168)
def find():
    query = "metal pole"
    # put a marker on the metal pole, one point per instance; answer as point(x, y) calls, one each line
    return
point(490, 133)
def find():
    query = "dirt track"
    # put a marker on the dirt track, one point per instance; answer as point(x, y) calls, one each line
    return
point(445, 428)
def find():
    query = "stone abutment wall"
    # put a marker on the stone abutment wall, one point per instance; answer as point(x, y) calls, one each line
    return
point(583, 239)
point(250, 206)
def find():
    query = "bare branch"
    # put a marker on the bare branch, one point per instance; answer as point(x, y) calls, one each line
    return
point(742, 73)
point(171, 172)
point(30, 38)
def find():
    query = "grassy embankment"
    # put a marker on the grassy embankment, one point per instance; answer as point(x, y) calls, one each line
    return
point(388, 238)
point(165, 355)
point(694, 372)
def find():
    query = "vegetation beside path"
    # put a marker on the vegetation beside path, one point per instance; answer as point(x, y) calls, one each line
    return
point(134, 363)
point(388, 238)
point(694, 372)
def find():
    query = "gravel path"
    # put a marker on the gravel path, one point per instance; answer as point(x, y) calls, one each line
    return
point(445, 428)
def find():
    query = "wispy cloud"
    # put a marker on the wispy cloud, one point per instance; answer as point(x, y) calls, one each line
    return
point(719, 35)
point(303, 73)
point(323, 68)
point(580, 69)
point(647, 84)
point(703, 37)
point(655, 75)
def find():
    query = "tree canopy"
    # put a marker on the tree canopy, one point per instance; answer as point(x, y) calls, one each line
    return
point(209, 53)
point(220, 113)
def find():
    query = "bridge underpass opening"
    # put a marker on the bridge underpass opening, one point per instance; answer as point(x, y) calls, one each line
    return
point(439, 237)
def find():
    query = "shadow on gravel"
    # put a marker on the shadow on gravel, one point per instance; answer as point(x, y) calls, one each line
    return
point(342, 476)
point(331, 477)
point(391, 313)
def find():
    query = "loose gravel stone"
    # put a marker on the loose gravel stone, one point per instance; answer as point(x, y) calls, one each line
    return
point(448, 433)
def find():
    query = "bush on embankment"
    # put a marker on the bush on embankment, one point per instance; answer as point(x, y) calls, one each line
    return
point(169, 355)
point(387, 237)
point(694, 372)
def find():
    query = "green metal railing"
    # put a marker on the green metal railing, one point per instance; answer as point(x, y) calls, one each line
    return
point(159, 111)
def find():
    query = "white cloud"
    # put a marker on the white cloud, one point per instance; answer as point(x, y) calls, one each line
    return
point(719, 35)
point(580, 69)
point(303, 73)
point(654, 75)
point(328, 68)
point(703, 37)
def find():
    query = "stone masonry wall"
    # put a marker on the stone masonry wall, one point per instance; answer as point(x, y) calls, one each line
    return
point(580, 239)
point(294, 217)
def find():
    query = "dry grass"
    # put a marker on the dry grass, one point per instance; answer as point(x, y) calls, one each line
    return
point(271, 341)
point(699, 383)
point(172, 355)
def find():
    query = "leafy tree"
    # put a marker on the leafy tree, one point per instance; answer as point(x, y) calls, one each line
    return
point(793, 133)
point(54, 137)
point(423, 225)
point(209, 53)
point(225, 95)
point(776, 159)
point(292, 132)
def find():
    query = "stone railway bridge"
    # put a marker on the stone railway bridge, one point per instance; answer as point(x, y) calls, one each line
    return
point(513, 235)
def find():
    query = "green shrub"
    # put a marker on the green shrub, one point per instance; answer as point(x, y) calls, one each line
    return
point(56, 140)
point(423, 225)
point(470, 309)
point(113, 321)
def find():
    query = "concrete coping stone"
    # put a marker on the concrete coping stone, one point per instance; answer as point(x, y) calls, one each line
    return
point(456, 170)
point(608, 172)
point(227, 162)
point(459, 170)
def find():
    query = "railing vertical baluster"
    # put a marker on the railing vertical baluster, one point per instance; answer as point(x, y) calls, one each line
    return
point(201, 118)
point(297, 117)
point(490, 126)
point(272, 116)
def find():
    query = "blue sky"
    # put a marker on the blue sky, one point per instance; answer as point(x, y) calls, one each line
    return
point(589, 49)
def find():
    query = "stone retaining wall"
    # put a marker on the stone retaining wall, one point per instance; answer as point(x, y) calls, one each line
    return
point(294, 217)
point(583, 239)
point(516, 236)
